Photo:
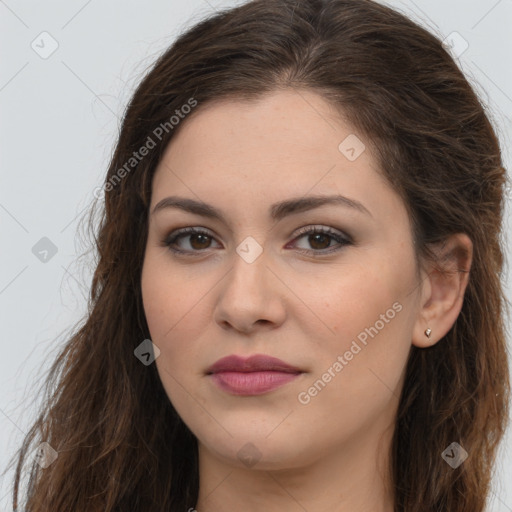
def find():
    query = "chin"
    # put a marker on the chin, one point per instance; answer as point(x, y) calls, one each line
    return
point(259, 450)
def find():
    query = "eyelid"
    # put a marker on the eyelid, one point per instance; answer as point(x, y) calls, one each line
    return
point(320, 228)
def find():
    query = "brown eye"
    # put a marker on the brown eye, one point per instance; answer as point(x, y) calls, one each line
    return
point(198, 239)
point(319, 238)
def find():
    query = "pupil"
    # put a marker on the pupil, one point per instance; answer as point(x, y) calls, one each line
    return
point(199, 236)
point(320, 235)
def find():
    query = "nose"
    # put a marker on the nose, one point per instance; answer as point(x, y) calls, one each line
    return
point(250, 297)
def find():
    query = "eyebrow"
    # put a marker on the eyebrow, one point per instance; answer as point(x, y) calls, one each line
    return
point(277, 211)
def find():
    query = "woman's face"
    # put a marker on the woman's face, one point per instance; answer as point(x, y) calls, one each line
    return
point(339, 308)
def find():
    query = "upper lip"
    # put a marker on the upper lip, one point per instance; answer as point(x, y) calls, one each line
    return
point(255, 363)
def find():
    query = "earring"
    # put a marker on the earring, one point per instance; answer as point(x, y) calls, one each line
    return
point(428, 332)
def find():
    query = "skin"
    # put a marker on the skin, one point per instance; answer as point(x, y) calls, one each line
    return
point(331, 453)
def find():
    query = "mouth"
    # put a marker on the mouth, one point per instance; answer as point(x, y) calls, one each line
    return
point(255, 375)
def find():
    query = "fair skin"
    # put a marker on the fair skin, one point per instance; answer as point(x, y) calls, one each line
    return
point(328, 452)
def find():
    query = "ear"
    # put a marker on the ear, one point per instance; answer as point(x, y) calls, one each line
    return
point(443, 288)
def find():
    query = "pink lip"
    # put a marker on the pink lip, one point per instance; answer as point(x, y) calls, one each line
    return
point(255, 375)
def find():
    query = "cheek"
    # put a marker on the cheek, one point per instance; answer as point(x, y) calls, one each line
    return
point(174, 307)
point(371, 320)
point(359, 298)
point(168, 315)
point(169, 298)
point(358, 376)
point(161, 308)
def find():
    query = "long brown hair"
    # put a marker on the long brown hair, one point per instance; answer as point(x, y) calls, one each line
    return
point(121, 445)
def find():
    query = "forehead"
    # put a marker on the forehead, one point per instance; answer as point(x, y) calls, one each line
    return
point(288, 124)
point(249, 154)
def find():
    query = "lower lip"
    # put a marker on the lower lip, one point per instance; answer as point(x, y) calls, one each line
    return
point(252, 383)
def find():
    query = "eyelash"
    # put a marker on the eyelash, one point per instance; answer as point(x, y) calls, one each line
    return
point(171, 239)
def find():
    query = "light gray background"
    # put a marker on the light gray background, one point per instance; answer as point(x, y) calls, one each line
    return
point(59, 122)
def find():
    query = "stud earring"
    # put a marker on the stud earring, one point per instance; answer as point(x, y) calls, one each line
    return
point(428, 332)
